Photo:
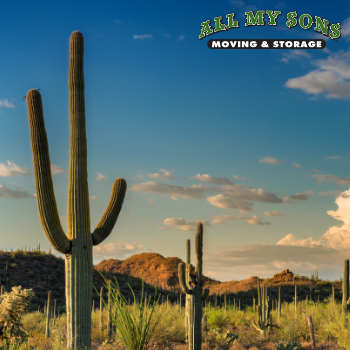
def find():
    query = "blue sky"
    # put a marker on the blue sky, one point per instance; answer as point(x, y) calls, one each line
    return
point(254, 143)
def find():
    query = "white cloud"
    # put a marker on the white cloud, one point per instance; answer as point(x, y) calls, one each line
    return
point(167, 175)
point(333, 157)
point(166, 35)
point(181, 37)
point(181, 224)
point(148, 223)
point(117, 250)
point(253, 220)
point(332, 77)
point(139, 176)
point(95, 197)
point(100, 177)
point(242, 178)
point(143, 36)
point(296, 165)
point(269, 160)
point(332, 178)
point(5, 103)
point(220, 201)
point(118, 21)
point(11, 169)
point(345, 28)
point(18, 193)
point(274, 213)
point(330, 193)
point(133, 215)
point(294, 54)
point(213, 180)
point(150, 200)
point(194, 191)
point(55, 169)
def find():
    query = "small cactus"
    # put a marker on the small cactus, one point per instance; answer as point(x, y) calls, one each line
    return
point(194, 287)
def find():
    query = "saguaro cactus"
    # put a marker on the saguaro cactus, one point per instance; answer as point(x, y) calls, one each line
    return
point(189, 297)
point(346, 286)
point(194, 287)
point(77, 245)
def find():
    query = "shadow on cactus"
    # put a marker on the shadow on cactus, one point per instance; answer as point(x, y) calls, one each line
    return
point(135, 324)
point(77, 244)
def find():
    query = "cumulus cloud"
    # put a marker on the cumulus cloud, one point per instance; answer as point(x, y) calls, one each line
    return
point(332, 178)
point(167, 175)
point(18, 193)
point(55, 169)
point(331, 77)
point(213, 180)
point(220, 201)
point(291, 239)
point(150, 200)
point(333, 157)
point(296, 165)
point(181, 224)
point(269, 160)
point(330, 193)
point(294, 54)
point(11, 169)
point(302, 196)
point(117, 250)
point(5, 103)
point(100, 177)
point(265, 260)
point(94, 197)
point(148, 223)
point(181, 37)
point(194, 191)
point(143, 36)
point(274, 213)
point(139, 176)
point(253, 220)
point(242, 178)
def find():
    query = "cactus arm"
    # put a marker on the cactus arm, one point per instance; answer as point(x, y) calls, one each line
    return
point(205, 294)
point(109, 218)
point(45, 195)
point(182, 279)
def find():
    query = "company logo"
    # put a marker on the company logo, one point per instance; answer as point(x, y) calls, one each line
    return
point(260, 18)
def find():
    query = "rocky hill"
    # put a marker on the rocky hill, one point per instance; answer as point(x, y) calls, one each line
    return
point(43, 271)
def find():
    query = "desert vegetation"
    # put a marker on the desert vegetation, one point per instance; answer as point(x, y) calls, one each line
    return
point(230, 319)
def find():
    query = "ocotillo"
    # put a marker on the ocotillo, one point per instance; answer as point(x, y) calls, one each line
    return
point(195, 289)
point(77, 245)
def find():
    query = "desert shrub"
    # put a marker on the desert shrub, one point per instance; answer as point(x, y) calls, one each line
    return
point(13, 306)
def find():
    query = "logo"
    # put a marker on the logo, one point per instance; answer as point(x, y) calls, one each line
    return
point(271, 18)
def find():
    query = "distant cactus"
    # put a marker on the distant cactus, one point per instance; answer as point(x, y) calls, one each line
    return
point(194, 287)
point(264, 322)
point(346, 286)
point(77, 245)
point(47, 332)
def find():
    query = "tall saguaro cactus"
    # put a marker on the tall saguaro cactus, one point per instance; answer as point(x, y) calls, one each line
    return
point(194, 287)
point(77, 245)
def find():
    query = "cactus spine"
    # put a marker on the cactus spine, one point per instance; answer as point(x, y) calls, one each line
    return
point(195, 288)
point(346, 286)
point(77, 245)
